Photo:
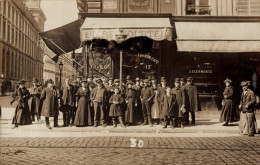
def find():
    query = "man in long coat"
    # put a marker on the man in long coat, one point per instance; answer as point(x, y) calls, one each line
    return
point(131, 101)
point(147, 95)
point(66, 101)
point(186, 114)
point(98, 96)
point(194, 103)
point(35, 92)
point(138, 88)
point(161, 93)
point(180, 103)
point(49, 97)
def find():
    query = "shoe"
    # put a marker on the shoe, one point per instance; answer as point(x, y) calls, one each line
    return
point(48, 126)
point(114, 125)
point(251, 134)
point(182, 126)
point(226, 124)
point(15, 126)
point(151, 125)
point(193, 124)
point(56, 126)
point(165, 126)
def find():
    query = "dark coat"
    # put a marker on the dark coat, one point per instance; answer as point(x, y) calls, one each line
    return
point(22, 114)
point(66, 95)
point(228, 113)
point(161, 93)
point(248, 99)
point(147, 93)
point(74, 96)
point(130, 96)
point(115, 109)
point(36, 94)
point(49, 97)
point(83, 114)
point(169, 106)
point(194, 103)
point(180, 99)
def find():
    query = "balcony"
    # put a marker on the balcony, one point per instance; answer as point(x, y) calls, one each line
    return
point(198, 10)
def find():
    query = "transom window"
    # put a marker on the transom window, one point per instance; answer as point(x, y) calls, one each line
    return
point(198, 7)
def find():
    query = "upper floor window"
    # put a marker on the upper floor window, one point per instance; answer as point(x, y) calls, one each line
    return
point(248, 7)
point(198, 7)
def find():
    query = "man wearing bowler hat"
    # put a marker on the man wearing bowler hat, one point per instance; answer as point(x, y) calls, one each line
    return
point(194, 103)
point(147, 95)
point(35, 92)
point(98, 96)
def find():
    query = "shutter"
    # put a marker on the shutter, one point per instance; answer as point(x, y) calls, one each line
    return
point(255, 7)
point(242, 7)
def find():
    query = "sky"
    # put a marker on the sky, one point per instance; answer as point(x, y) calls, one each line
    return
point(59, 12)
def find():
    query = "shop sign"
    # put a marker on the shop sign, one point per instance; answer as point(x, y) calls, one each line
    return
point(201, 71)
point(149, 57)
point(140, 5)
point(110, 4)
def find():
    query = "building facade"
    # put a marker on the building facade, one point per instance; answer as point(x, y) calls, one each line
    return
point(212, 40)
point(20, 55)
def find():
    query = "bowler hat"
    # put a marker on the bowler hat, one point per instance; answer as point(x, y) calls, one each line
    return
point(227, 80)
point(129, 82)
point(49, 81)
point(177, 80)
point(35, 80)
point(22, 81)
point(116, 80)
point(189, 78)
point(182, 79)
point(137, 79)
point(245, 83)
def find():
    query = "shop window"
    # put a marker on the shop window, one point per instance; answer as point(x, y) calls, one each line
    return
point(198, 7)
point(248, 7)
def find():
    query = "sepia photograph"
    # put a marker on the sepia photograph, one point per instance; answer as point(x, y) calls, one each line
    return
point(115, 82)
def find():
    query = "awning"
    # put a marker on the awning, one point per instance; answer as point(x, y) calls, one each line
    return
point(108, 28)
point(63, 39)
point(218, 36)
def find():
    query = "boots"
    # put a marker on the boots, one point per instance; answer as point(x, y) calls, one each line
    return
point(56, 121)
point(15, 126)
point(114, 122)
point(145, 121)
point(150, 121)
point(48, 125)
point(172, 124)
point(121, 122)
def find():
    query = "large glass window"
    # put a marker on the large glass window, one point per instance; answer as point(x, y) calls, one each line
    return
point(198, 7)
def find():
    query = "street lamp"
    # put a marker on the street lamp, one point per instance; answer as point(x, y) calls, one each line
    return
point(120, 38)
point(60, 67)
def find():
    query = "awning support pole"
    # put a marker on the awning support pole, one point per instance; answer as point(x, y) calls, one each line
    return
point(121, 69)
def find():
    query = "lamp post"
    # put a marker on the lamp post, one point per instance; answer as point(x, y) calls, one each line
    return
point(60, 67)
point(120, 38)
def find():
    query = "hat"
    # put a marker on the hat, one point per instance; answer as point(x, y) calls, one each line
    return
point(110, 78)
point(99, 81)
point(35, 80)
point(22, 81)
point(177, 80)
point(105, 81)
point(75, 81)
point(149, 78)
point(189, 78)
point(146, 80)
point(245, 83)
point(84, 80)
point(116, 80)
point(49, 81)
point(129, 82)
point(182, 79)
point(228, 80)
point(137, 79)
point(152, 77)
point(163, 79)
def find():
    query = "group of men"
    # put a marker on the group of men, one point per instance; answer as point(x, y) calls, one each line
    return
point(138, 98)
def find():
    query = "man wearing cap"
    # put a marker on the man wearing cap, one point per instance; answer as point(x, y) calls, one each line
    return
point(49, 98)
point(138, 88)
point(131, 101)
point(35, 92)
point(22, 114)
point(66, 101)
point(247, 123)
point(194, 103)
point(98, 96)
point(180, 101)
point(147, 95)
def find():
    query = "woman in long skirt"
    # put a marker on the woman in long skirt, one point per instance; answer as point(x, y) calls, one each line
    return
point(22, 114)
point(83, 114)
point(155, 112)
point(228, 113)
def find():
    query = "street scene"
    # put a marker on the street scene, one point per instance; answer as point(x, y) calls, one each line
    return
point(129, 82)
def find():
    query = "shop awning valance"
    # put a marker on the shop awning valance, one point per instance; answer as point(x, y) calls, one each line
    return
point(108, 28)
point(218, 36)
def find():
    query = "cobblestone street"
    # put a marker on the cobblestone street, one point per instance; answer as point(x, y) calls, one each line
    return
point(118, 150)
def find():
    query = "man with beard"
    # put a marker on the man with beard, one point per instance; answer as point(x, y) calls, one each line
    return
point(146, 97)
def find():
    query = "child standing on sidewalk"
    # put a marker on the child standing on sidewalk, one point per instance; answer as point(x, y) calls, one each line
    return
point(116, 101)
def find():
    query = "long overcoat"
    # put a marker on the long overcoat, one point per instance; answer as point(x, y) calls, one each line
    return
point(49, 97)
point(194, 103)
point(22, 114)
point(180, 100)
point(35, 103)
point(161, 93)
point(169, 106)
point(130, 96)
point(116, 109)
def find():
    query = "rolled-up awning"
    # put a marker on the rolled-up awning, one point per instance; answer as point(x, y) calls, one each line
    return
point(218, 36)
point(109, 28)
